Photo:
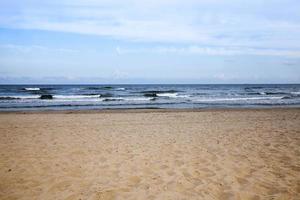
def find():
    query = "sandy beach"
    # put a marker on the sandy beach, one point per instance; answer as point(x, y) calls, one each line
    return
point(151, 154)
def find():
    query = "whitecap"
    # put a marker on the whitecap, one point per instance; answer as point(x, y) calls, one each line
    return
point(235, 99)
point(75, 96)
point(32, 89)
point(120, 89)
point(172, 95)
point(139, 99)
point(20, 97)
point(295, 93)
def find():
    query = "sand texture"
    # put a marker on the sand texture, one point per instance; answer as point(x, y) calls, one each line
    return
point(212, 154)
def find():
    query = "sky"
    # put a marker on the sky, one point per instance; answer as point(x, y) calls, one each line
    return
point(149, 41)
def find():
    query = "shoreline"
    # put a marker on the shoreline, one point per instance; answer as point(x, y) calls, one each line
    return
point(144, 110)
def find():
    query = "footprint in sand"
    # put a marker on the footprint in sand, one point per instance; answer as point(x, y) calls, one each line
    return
point(105, 195)
point(61, 186)
point(241, 181)
point(178, 163)
point(134, 180)
point(195, 181)
point(206, 173)
point(102, 159)
point(171, 173)
point(164, 167)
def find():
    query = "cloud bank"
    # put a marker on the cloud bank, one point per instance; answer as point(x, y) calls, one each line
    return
point(228, 26)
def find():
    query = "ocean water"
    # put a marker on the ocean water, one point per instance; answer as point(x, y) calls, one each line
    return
point(85, 97)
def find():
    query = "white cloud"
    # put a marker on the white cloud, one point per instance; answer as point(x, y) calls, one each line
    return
point(229, 22)
point(213, 51)
point(228, 27)
point(35, 48)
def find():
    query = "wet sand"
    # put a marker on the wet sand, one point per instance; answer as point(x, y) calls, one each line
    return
point(151, 154)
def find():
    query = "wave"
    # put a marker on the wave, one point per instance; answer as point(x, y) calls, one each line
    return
point(36, 90)
point(287, 97)
point(200, 94)
point(106, 95)
point(76, 96)
point(128, 99)
point(295, 93)
point(159, 91)
point(105, 88)
point(140, 99)
point(92, 105)
point(32, 89)
point(113, 99)
point(172, 95)
point(291, 97)
point(19, 97)
point(99, 88)
point(150, 95)
point(162, 93)
point(253, 87)
point(265, 93)
point(276, 93)
point(236, 99)
point(93, 88)
point(253, 93)
point(8, 98)
point(54, 97)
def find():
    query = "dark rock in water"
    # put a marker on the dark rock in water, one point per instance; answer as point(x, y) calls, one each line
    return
point(8, 98)
point(254, 87)
point(93, 88)
point(90, 94)
point(106, 95)
point(150, 95)
point(275, 93)
point(253, 93)
point(286, 97)
point(46, 88)
point(112, 99)
point(159, 91)
point(107, 87)
point(99, 88)
point(46, 96)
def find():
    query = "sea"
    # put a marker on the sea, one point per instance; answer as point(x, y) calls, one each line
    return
point(182, 96)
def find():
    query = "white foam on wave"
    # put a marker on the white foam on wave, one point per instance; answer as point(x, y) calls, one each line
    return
point(32, 89)
point(120, 89)
point(75, 96)
point(235, 99)
point(22, 97)
point(172, 95)
point(138, 98)
point(296, 93)
point(113, 98)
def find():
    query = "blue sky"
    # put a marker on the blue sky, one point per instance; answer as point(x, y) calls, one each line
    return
point(150, 41)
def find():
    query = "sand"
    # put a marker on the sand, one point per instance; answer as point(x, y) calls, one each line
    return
point(145, 154)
